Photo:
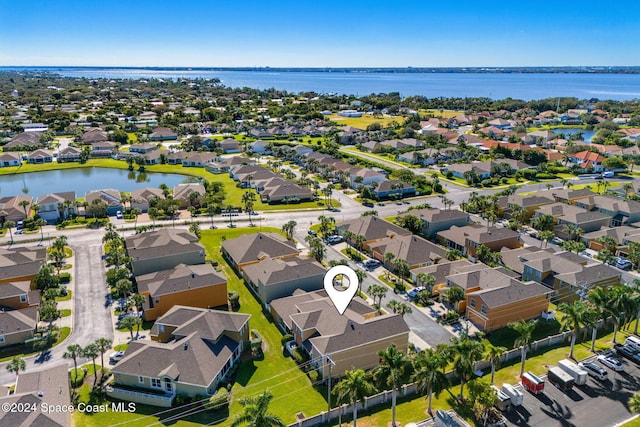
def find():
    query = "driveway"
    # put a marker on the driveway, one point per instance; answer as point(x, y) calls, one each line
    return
point(91, 317)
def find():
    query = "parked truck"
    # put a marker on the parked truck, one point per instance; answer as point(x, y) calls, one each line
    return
point(503, 402)
point(560, 378)
point(532, 383)
point(517, 397)
point(579, 375)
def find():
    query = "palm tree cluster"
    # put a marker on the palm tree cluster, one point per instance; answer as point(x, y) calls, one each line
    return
point(91, 351)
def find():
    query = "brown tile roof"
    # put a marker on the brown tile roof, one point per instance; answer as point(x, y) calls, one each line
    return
point(210, 324)
point(515, 292)
point(413, 249)
point(443, 269)
point(12, 321)
point(257, 246)
point(182, 191)
point(179, 279)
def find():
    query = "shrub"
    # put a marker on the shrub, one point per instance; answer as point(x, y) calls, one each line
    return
point(486, 183)
point(542, 175)
point(234, 300)
point(449, 174)
point(437, 188)
point(299, 356)
point(65, 277)
point(219, 400)
point(286, 338)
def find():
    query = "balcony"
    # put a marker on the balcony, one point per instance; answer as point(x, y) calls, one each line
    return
point(148, 397)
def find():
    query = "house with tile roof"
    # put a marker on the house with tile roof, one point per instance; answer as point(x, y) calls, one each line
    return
point(142, 196)
point(38, 389)
point(274, 278)
point(415, 250)
point(189, 285)
point(252, 248)
point(8, 159)
point(11, 209)
point(191, 351)
point(564, 214)
point(351, 340)
point(111, 197)
point(18, 264)
point(588, 160)
point(163, 249)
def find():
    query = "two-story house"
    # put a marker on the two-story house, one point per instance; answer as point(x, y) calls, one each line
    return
point(435, 220)
point(54, 206)
point(467, 239)
point(252, 248)
point(163, 249)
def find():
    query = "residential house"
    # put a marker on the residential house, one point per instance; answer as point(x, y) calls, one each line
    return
point(20, 264)
point(94, 135)
point(18, 295)
point(494, 298)
point(443, 269)
point(191, 351)
point(372, 228)
point(10, 159)
point(142, 196)
point(110, 197)
point(589, 161)
point(163, 249)
point(163, 134)
point(390, 188)
point(103, 149)
point(18, 326)
point(191, 194)
point(434, 219)
point(142, 148)
point(26, 141)
point(35, 127)
point(621, 211)
point(54, 206)
point(352, 340)
point(569, 275)
point(252, 248)
point(564, 214)
point(177, 157)
point(285, 192)
point(201, 160)
point(467, 239)
point(486, 169)
point(365, 176)
point(46, 392)
point(189, 285)
point(568, 195)
point(260, 147)
point(11, 209)
point(40, 156)
point(415, 250)
point(230, 145)
point(619, 234)
point(530, 203)
point(274, 278)
point(69, 154)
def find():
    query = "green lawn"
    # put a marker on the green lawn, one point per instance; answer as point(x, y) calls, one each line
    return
point(372, 157)
point(365, 120)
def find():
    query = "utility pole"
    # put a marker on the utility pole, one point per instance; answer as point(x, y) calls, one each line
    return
point(330, 363)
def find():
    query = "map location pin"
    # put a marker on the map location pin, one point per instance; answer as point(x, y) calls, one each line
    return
point(341, 299)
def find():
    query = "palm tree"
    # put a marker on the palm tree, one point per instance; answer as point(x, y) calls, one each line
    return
point(545, 236)
point(391, 372)
point(136, 212)
point(103, 344)
point(123, 287)
point(40, 223)
point(248, 199)
point(358, 241)
point(573, 320)
point(454, 295)
point(400, 308)
point(23, 204)
point(466, 353)
point(402, 269)
point(73, 352)
point(91, 351)
point(355, 386)
point(289, 228)
point(8, 225)
point(494, 353)
point(525, 330)
point(428, 374)
point(16, 365)
point(426, 280)
point(254, 412)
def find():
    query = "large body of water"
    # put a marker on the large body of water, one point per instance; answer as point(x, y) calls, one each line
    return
point(83, 180)
point(526, 86)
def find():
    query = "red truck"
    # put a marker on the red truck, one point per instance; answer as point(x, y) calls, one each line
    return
point(532, 383)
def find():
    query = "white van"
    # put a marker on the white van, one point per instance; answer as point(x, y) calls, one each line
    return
point(633, 342)
point(608, 174)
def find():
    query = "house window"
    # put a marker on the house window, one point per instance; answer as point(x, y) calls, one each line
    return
point(155, 382)
point(23, 298)
point(141, 380)
point(161, 329)
point(473, 303)
point(483, 309)
point(167, 384)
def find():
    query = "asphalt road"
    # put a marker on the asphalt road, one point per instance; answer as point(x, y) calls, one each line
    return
point(595, 404)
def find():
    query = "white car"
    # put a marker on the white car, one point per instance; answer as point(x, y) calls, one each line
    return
point(116, 357)
point(334, 239)
point(119, 215)
point(610, 362)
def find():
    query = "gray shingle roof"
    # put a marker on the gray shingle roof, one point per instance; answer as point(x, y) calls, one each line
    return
point(254, 247)
point(372, 228)
point(272, 271)
point(181, 278)
point(21, 262)
point(162, 243)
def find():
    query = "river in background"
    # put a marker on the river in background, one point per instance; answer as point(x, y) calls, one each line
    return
point(526, 86)
point(83, 180)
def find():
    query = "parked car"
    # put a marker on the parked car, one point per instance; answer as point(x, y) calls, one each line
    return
point(290, 346)
point(627, 352)
point(368, 204)
point(312, 233)
point(610, 362)
point(332, 240)
point(598, 177)
point(371, 264)
point(116, 357)
point(119, 215)
point(556, 240)
point(624, 264)
point(415, 291)
point(19, 225)
point(594, 370)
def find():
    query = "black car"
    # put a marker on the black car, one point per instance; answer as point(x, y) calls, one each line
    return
point(368, 204)
point(627, 352)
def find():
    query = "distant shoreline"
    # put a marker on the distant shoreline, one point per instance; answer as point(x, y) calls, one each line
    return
point(424, 70)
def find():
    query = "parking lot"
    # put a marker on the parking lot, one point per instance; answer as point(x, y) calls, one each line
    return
point(596, 404)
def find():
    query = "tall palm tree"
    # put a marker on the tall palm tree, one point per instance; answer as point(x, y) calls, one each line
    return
point(525, 330)
point(255, 412)
point(23, 204)
point(392, 372)
point(103, 344)
point(91, 351)
point(426, 280)
point(16, 365)
point(573, 320)
point(466, 353)
point(494, 353)
point(355, 386)
point(428, 374)
point(73, 352)
point(8, 225)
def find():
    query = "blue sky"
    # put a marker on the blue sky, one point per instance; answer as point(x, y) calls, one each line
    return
point(318, 34)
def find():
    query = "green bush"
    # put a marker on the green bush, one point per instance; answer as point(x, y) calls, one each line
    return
point(234, 300)
point(542, 175)
point(286, 338)
point(65, 277)
point(220, 400)
point(300, 356)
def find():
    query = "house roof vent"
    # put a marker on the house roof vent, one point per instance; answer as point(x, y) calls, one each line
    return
point(186, 345)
